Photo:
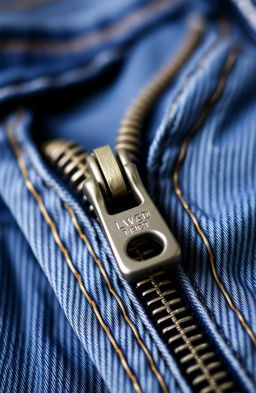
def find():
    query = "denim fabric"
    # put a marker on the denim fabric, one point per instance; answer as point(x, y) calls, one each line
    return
point(62, 329)
point(39, 350)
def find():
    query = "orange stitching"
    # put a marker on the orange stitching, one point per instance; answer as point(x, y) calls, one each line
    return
point(90, 39)
point(180, 160)
point(67, 257)
point(116, 296)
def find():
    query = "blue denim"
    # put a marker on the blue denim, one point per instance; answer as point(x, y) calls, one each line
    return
point(61, 328)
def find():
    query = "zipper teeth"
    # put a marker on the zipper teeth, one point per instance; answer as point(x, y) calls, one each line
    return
point(177, 326)
point(169, 312)
point(131, 127)
point(69, 159)
point(174, 321)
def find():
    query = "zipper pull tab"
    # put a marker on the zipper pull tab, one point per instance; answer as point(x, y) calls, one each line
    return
point(139, 237)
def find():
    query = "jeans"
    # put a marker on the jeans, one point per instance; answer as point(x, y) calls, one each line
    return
point(68, 320)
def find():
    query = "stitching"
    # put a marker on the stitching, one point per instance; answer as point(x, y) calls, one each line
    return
point(183, 90)
point(90, 40)
point(116, 296)
point(235, 354)
point(120, 283)
point(177, 166)
point(85, 239)
point(90, 249)
point(66, 255)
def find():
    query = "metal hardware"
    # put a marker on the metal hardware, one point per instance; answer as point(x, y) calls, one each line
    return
point(109, 187)
point(104, 168)
point(132, 125)
point(161, 297)
point(180, 330)
point(69, 158)
point(138, 231)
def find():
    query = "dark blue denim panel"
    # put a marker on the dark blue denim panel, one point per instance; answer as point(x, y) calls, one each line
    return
point(39, 350)
point(100, 109)
point(24, 58)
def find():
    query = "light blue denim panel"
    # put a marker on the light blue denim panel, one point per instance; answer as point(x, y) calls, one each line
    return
point(79, 313)
point(39, 350)
point(217, 180)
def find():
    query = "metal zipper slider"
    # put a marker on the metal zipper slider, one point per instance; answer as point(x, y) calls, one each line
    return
point(139, 237)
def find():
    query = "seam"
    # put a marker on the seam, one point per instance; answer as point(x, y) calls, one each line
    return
point(173, 108)
point(177, 166)
point(65, 253)
point(90, 40)
point(117, 297)
point(227, 341)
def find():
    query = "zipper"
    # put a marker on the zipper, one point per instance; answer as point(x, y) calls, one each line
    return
point(162, 298)
point(144, 248)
